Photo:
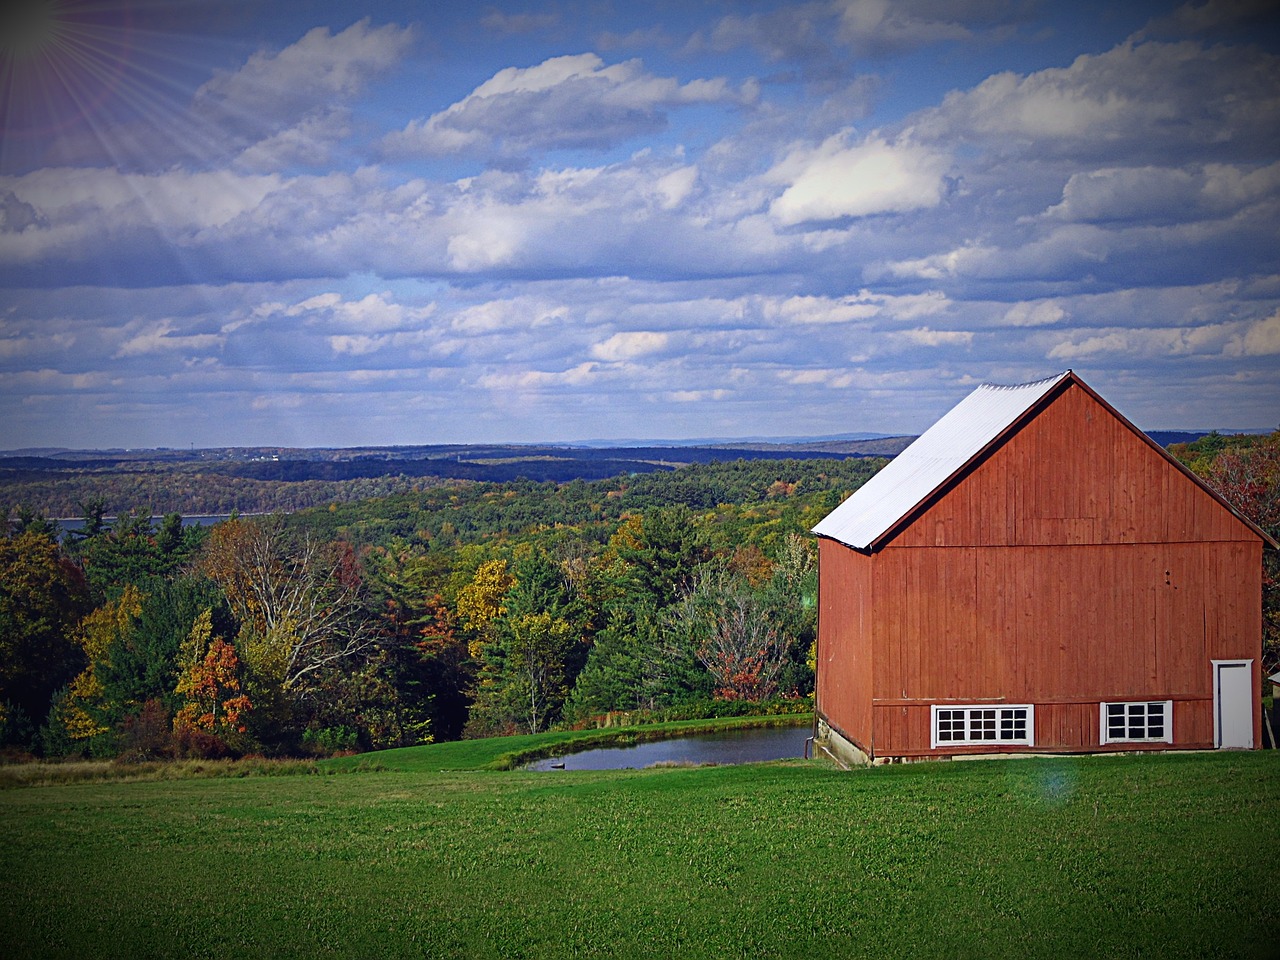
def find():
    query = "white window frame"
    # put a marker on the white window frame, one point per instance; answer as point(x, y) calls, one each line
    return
point(1103, 726)
point(970, 709)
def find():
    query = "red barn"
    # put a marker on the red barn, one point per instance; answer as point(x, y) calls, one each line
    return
point(1034, 574)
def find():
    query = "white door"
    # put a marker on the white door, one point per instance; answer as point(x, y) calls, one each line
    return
point(1233, 704)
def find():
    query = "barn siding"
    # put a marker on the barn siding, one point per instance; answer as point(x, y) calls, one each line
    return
point(1072, 565)
point(844, 642)
point(903, 730)
point(1073, 474)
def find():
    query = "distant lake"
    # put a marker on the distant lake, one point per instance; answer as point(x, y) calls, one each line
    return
point(729, 747)
point(66, 526)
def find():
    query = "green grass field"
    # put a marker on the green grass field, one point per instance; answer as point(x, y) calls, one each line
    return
point(1075, 857)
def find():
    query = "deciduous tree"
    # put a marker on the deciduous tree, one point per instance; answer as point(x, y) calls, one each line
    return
point(732, 635)
point(210, 682)
point(300, 602)
point(42, 597)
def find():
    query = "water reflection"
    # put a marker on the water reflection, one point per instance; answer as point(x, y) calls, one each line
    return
point(731, 746)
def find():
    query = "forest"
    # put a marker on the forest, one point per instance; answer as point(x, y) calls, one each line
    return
point(281, 479)
point(463, 609)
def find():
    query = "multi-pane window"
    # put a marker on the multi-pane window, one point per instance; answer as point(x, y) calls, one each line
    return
point(985, 726)
point(1149, 721)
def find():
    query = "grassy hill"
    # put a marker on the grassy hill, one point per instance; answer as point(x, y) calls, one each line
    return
point(1070, 857)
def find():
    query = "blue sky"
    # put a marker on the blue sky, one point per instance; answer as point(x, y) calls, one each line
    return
point(336, 224)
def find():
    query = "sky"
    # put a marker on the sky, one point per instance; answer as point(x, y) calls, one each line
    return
point(368, 223)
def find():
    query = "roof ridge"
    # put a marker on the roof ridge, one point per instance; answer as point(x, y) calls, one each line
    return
point(1030, 383)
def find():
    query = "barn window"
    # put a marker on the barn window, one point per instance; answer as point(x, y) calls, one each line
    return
point(987, 725)
point(1149, 721)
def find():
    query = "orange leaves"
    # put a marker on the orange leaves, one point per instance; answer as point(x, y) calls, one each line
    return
point(210, 681)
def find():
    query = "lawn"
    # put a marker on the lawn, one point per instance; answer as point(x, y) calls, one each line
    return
point(1075, 857)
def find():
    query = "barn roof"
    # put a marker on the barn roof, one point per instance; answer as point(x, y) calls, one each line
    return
point(975, 425)
point(930, 461)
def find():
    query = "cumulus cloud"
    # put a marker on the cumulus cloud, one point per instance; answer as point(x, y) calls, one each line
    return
point(496, 316)
point(308, 73)
point(74, 211)
point(836, 379)
point(576, 376)
point(926, 337)
point(309, 143)
point(865, 305)
point(629, 345)
point(164, 339)
point(1117, 210)
point(838, 180)
point(1162, 194)
point(374, 312)
point(819, 34)
point(1038, 313)
point(879, 26)
point(1261, 339)
point(289, 107)
point(1212, 340)
point(574, 101)
point(1135, 100)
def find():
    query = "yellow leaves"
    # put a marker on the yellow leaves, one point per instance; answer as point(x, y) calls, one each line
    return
point(267, 653)
point(109, 622)
point(480, 604)
point(97, 632)
point(84, 689)
point(629, 535)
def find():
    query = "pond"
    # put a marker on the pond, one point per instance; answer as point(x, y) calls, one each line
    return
point(728, 747)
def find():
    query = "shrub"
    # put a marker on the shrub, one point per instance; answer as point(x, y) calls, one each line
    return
point(147, 735)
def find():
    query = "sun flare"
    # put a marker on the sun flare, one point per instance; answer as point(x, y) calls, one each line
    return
point(61, 61)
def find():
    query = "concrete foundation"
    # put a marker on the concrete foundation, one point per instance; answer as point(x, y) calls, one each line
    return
point(844, 752)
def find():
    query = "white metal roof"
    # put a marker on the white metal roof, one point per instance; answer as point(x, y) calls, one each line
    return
point(932, 460)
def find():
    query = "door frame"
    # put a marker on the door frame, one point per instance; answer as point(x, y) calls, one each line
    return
point(1218, 704)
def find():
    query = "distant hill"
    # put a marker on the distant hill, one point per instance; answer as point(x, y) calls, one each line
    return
point(266, 479)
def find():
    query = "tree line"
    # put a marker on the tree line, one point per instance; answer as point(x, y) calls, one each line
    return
point(465, 609)
point(470, 609)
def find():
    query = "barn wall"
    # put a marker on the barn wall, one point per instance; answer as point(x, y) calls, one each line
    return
point(1058, 627)
point(902, 730)
point(844, 642)
point(1072, 565)
point(1074, 474)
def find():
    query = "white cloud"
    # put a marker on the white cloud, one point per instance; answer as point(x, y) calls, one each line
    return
point(564, 102)
point(310, 142)
point(698, 396)
point(812, 33)
point(1148, 99)
point(833, 378)
point(1038, 313)
point(163, 340)
point(576, 376)
point(1212, 340)
point(496, 316)
point(77, 209)
point(1163, 194)
point(926, 337)
point(862, 306)
point(881, 26)
point(308, 73)
point(629, 345)
point(873, 177)
point(1262, 339)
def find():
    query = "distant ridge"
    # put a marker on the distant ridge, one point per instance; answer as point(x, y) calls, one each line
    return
point(865, 444)
point(736, 442)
